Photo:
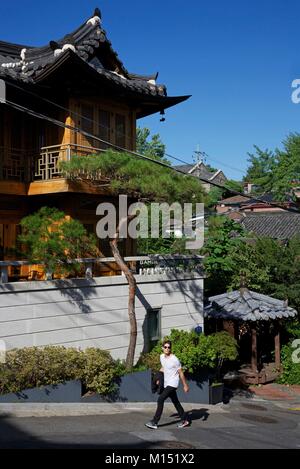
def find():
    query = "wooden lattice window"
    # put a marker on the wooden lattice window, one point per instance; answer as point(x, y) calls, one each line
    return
point(120, 130)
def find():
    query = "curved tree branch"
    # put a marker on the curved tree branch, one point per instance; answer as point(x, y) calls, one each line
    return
point(132, 290)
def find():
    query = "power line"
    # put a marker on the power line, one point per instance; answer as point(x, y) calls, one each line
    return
point(73, 113)
point(87, 119)
point(139, 155)
point(225, 164)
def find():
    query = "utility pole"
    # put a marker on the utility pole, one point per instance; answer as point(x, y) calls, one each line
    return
point(200, 156)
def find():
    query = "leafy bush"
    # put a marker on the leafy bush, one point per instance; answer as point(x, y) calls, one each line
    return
point(195, 351)
point(34, 367)
point(292, 328)
point(99, 371)
point(291, 370)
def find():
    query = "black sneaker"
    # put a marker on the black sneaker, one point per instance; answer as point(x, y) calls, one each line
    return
point(151, 425)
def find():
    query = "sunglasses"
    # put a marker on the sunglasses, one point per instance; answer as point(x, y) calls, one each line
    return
point(167, 346)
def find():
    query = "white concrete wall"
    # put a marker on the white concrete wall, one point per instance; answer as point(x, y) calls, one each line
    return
point(93, 313)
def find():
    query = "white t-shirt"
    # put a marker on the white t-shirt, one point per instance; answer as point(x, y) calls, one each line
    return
point(171, 365)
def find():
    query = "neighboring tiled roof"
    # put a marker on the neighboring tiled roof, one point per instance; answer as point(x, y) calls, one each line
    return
point(236, 199)
point(247, 305)
point(185, 167)
point(28, 64)
point(278, 225)
point(198, 170)
point(240, 199)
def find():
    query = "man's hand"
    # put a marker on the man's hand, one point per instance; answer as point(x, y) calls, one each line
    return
point(186, 387)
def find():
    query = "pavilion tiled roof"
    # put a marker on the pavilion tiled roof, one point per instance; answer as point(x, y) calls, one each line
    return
point(247, 305)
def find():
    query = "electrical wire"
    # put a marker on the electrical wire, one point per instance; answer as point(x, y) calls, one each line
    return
point(72, 113)
point(139, 155)
point(92, 121)
point(225, 164)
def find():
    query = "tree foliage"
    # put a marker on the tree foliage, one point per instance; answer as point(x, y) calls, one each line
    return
point(216, 194)
point(222, 237)
point(291, 368)
point(276, 171)
point(236, 186)
point(142, 180)
point(152, 147)
point(195, 351)
point(268, 265)
point(125, 173)
point(55, 240)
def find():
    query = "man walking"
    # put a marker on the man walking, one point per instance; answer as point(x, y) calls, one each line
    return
point(172, 370)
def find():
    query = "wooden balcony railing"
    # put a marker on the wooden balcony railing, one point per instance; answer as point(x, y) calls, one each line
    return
point(15, 165)
point(103, 266)
point(25, 166)
point(47, 164)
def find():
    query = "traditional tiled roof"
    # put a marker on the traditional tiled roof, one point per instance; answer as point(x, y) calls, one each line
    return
point(198, 170)
point(185, 168)
point(246, 305)
point(243, 200)
point(279, 225)
point(88, 43)
point(235, 200)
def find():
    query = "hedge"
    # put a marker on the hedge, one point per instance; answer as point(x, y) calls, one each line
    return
point(35, 367)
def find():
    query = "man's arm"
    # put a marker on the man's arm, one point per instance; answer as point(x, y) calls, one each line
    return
point(186, 387)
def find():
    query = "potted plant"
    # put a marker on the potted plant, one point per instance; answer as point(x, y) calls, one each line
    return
point(218, 348)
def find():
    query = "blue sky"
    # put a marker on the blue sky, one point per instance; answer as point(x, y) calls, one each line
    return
point(236, 58)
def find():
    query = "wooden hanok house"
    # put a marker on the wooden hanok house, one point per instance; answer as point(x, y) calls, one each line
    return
point(79, 81)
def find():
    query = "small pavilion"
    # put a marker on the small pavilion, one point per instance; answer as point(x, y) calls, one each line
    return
point(245, 309)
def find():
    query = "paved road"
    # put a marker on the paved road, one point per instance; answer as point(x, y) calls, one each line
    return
point(240, 424)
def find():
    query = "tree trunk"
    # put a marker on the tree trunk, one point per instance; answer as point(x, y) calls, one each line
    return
point(132, 291)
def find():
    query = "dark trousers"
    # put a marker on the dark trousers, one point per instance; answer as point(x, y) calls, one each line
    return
point(170, 392)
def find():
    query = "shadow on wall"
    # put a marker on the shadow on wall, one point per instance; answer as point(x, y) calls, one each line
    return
point(77, 291)
point(194, 294)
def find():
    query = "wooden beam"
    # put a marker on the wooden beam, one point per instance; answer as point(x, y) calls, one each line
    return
point(277, 347)
point(13, 188)
point(64, 185)
point(48, 187)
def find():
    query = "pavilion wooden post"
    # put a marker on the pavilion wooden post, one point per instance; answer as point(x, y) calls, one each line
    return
point(254, 348)
point(277, 346)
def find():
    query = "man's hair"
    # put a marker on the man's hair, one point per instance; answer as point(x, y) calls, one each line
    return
point(167, 342)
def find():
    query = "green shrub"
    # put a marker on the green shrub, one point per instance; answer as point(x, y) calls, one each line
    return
point(195, 351)
point(291, 370)
point(35, 367)
point(99, 371)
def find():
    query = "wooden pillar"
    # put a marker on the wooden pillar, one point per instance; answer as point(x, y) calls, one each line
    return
point(277, 346)
point(229, 326)
point(254, 348)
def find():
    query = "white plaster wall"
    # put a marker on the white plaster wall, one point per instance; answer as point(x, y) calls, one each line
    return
point(93, 313)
